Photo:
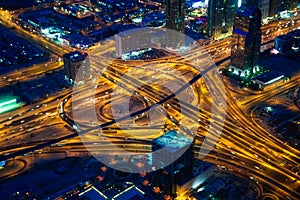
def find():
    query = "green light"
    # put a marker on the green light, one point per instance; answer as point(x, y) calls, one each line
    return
point(8, 102)
point(10, 107)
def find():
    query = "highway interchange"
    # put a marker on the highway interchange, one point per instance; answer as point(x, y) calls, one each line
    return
point(222, 122)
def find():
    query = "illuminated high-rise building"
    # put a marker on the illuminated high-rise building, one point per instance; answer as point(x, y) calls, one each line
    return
point(175, 13)
point(231, 7)
point(77, 67)
point(172, 144)
point(246, 41)
point(274, 8)
point(264, 6)
point(221, 14)
point(183, 174)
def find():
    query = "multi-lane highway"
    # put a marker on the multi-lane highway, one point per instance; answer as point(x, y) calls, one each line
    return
point(223, 123)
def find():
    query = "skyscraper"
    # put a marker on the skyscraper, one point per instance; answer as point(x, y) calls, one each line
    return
point(183, 174)
point(246, 41)
point(216, 21)
point(77, 67)
point(171, 145)
point(175, 13)
point(273, 10)
point(231, 7)
point(264, 6)
point(221, 14)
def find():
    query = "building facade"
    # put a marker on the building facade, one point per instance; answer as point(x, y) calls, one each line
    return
point(274, 9)
point(264, 6)
point(221, 15)
point(175, 14)
point(246, 41)
point(77, 67)
point(170, 145)
point(185, 173)
point(131, 40)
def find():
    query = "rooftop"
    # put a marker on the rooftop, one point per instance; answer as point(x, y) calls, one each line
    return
point(92, 193)
point(269, 77)
point(75, 56)
point(172, 141)
point(78, 39)
point(113, 192)
point(129, 193)
point(134, 31)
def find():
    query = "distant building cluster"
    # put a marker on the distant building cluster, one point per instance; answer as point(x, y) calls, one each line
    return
point(60, 28)
point(80, 10)
point(15, 50)
point(289, 43)
point(215, 18)
point(82, 24)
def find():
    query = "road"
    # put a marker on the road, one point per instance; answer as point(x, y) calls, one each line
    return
point(243, 147)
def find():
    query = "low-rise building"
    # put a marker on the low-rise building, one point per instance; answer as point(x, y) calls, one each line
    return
point(77, 40)
point(267, 79)
point(289, 43)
